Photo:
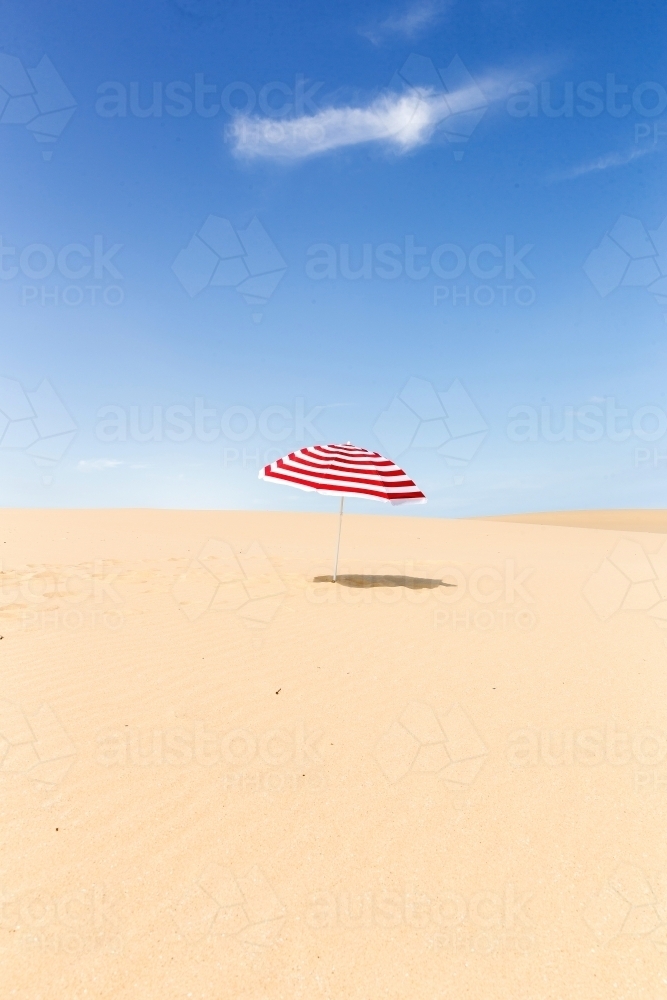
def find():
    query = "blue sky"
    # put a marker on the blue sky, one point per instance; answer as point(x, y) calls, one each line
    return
point(313, 224)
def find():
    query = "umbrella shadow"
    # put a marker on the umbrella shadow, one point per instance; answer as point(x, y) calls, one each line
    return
point(383, 580)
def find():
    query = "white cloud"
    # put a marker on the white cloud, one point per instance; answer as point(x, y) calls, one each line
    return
point(417, 18)
point(605, 162)
point(403, 121)
point(98, 463)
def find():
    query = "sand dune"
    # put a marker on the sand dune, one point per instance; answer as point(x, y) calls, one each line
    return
point(610, 520)
point(444, 777)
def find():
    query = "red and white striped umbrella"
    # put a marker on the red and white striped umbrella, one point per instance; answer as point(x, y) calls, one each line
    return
point(346, 471)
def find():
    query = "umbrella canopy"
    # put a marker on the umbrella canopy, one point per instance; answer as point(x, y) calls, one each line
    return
point(343, 470)
point(346, 471)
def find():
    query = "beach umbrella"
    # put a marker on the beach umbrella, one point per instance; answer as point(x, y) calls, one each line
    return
point(343, 470)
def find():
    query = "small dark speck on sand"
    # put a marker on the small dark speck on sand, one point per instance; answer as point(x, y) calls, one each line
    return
point(279, 690)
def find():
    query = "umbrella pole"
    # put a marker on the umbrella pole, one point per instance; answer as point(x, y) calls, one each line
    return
point(340, 525)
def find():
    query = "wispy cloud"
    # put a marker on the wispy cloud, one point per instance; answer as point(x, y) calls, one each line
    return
point(606, 162)
point(401, 121)
point(409, 23)
point(98, 463)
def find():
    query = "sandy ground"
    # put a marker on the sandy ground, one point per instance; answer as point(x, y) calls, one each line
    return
point(443, 777)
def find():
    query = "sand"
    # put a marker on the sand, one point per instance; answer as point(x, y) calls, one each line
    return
point(220, 779)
